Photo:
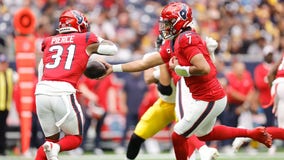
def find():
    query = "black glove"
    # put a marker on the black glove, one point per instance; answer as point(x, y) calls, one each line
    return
point(159, 41)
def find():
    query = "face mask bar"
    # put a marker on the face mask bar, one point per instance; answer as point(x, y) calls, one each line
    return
point(165, 28)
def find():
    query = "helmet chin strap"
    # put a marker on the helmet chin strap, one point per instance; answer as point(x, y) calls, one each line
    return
point(67, 30)
point(187, 28)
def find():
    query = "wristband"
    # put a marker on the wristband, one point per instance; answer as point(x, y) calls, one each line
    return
point(117, 68)
point(182, 71)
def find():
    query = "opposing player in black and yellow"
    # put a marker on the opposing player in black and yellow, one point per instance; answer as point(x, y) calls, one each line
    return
point(162, 112)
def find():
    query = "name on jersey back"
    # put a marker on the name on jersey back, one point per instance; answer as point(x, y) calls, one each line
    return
point(62, 39)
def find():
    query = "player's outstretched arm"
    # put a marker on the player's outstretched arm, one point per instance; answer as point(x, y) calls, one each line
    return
point(135, 66)
point(151, 75)
point(139, 65)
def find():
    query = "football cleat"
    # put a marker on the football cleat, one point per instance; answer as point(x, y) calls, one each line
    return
point(261, 135)
point(51, 150)
point(208, 153)
point(238, 142)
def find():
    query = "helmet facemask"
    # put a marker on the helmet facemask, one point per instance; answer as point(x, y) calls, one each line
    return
point(166, 28)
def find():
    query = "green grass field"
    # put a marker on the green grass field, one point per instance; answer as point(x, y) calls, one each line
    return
point(164, 156)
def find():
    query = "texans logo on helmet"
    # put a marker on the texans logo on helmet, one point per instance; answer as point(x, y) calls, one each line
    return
point(183, 12)
point(78, 17)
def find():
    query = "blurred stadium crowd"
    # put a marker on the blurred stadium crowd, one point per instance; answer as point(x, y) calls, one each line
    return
point(236, 24)
point(243, 28)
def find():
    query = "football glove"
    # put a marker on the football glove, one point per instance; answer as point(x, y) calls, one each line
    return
point(159, 41)
point(211, 45)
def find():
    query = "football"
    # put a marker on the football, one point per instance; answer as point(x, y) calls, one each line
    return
point(95, 69)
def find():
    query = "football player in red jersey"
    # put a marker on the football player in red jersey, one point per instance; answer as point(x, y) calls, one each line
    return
point(187, 53)
point(162, 112)
point(64, 59)
point(264, 74)
point(276, 81)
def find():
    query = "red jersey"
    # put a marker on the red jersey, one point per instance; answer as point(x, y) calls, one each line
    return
point(149, 99)
point(100, 88)
point(65, 56)
point(261, 83)
point(166, 53)
point(205, 87)
point(280, 71)
point(243, 85)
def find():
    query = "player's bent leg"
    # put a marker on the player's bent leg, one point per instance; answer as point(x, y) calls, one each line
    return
point(276, 133)
point(40, 154)
point(199, 117)
point(162, 114)
point(190, 148)
point(193, 143)
point(259, 134)
point(206, 153)
point(180, 146)
point(134, 146)
point(43, 151)
point(69, 142)
point(51, 150)
point(71, 123)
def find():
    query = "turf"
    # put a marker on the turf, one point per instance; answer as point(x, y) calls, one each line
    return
point(164, 156)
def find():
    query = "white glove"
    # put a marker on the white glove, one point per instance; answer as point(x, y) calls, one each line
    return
point(211, 45)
